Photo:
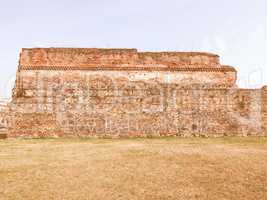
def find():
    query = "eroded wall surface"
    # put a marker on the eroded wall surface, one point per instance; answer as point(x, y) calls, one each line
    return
point(111, 103)
point(92, 92)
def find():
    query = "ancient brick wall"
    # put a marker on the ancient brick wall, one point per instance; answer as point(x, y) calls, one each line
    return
point(92, 92)
point(128, 111)
point(84, 58)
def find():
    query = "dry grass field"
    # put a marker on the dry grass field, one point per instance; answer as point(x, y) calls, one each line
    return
point(167, 168)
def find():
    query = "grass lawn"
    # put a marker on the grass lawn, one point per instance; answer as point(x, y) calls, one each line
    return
point(166, 168)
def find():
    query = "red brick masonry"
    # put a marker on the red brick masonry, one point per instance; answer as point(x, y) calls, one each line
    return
point(126, 93)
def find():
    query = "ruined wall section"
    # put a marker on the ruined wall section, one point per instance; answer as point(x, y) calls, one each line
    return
point(86, 58)
point(133, 103)
point(30, 82)
point(123, 92)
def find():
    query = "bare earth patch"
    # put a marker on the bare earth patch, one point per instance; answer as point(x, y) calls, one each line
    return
point(167, 168)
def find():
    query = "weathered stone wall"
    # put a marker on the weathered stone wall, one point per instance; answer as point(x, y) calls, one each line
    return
point(92, 92)
point(84, 58)
point(30, 81)
point(97, 103)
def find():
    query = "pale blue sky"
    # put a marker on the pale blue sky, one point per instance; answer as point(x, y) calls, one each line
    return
point(234, 29)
